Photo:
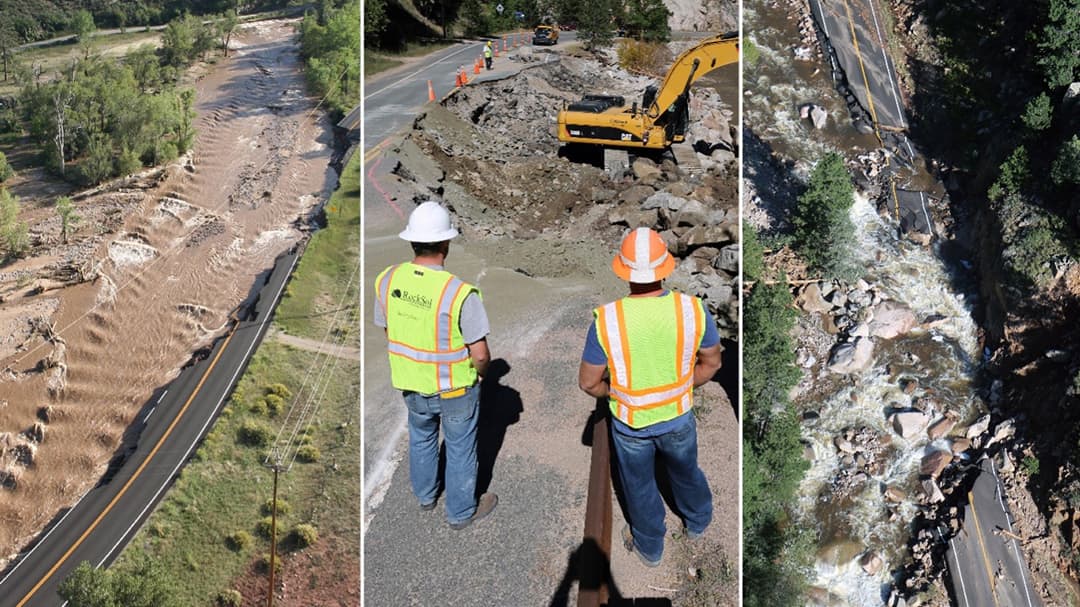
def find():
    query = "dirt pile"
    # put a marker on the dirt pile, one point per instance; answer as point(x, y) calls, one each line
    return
point(492, 154)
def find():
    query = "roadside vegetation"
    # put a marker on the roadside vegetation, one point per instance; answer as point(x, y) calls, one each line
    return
point(824, 234)
point(330, 45)
point(776, 553)
point(212, 529)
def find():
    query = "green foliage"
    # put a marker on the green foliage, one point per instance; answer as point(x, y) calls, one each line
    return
point(647, 20)
point(1030, 464)
point(283, 507)
point(82, 24)
point(65, 208)
point(753, 254)
point(640, 56)
point(375, 17)
point(595, 23)
point(303, 536)
point(824, 233)
point(332, 52)
point(14, 232)
point(1066, 167)
point(97, 166)
point(6, 172)
point(279, 389)
point(229, 598)
point(146, 585)
point(265, 526)
point(775, 553)
point(1059, 43)
point(274, 404)
point(128, 162)
point(476, 21)
point(254, 434)
point(308, 454)
point(263, 564)
point(186, 39)
point(239, 541)
point(751, 53)
point(1038, 113)
point(1013, 174)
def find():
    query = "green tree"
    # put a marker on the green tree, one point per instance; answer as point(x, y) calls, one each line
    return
point(647, 20)
point(1059, 43)
point(375, 18)
point(477, 22)
point(823, 230)
point(227, 25)
point(1012, 175)
point(9, 39)
point(6, 172)
point(87, 586)
point(178, 41)
point(97, 166)
point(1038, 113)
point(65, 208)
point(14, 232)
point(753, 262)
point(82, 23)
point(1066, 167)
point(596, 22)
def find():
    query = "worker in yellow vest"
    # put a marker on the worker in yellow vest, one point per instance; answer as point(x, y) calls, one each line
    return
point(436, 328)
point(487, 55)
point(646, 353)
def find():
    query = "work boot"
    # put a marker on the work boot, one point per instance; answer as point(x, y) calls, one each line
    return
point(428, 507)
point(484, 506)
point(628, 543)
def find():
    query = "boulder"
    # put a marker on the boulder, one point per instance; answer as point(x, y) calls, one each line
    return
point(892, 319)
point(935, 462)
point(852, 356)
point(980, 426)
point(715, 235)
point(894, 494)
point(728, 260)
point(931, 491)
point(636, 194)
point(870, 562)
point(843, 445)
point(646, 170)
point(811, 300)
point(664, 200)
point(631, 216)
point(909, 423)
point(960, 445)
point(1002, 431)
point(942, 426)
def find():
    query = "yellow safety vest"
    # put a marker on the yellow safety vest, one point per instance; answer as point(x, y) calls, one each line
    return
point(651, 345)
point(422, 307)
point(487, 52)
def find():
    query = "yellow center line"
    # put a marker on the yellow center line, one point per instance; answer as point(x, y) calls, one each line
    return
point(373, 153)
point(131, 480)
point(982, 547)
point(870, 102)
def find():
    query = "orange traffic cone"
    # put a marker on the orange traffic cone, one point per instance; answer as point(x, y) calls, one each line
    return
point(476, 67)
point(504, 44)
point(430, 92)
point(457, 79)
point(464, 76)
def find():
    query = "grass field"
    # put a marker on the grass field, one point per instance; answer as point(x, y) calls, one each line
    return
point(222, 494)
point(312, 302)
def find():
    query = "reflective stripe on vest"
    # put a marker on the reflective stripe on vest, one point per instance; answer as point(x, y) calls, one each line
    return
point(643, 405)
point(419, 361)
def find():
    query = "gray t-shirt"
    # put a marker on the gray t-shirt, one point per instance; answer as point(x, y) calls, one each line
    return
point(473, 320)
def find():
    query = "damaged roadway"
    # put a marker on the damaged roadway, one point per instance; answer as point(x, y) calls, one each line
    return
point(538, 234)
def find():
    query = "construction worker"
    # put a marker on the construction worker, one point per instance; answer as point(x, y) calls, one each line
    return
point(487, 54)
point(646, 353)
point(437, 330)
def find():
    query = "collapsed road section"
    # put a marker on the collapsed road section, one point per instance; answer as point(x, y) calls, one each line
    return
point(167, 430)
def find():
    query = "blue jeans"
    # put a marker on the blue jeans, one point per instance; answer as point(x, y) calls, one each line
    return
point(645, 508)
point(459, 416)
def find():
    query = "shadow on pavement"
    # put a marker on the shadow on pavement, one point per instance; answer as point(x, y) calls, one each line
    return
point(500, 408)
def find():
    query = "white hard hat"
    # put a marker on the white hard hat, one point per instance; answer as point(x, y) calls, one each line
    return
point(429, 222)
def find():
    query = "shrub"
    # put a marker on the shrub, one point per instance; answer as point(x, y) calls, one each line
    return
point(238, 541)
point(98, 164)
point(6, 172)
point(751, 53)
point(1013, 173)
point(1066, 167)
point(265, 527)
point(259, 407)
point(642, 56)
point(823, 229)
point(263, 565)
point(128, 162)
point(752, 254)
point(279, 389)
point(308, 454)
point(283, 507)
point(229, 598)
point(303, 535)
point(254, 434)
point(1038, 113)
point(1030, 464)
point(274, 404)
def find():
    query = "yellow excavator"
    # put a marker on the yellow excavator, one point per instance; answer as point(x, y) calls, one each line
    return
point(664, 114)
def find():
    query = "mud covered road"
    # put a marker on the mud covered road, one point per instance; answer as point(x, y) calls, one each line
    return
point(152, 275)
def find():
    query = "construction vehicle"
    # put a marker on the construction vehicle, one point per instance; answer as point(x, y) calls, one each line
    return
point(664, 114)
point(546, 34)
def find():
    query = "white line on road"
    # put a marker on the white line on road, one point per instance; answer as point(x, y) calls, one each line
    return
point(959, 572)
point(160, 398)
point(377, 481)
point(426, 66)
point(893, 89)
point(1008, 522)
point(152, 409)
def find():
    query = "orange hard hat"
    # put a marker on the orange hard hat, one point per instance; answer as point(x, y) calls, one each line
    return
point(643, 257)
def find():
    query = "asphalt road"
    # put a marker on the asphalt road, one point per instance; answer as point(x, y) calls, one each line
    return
point(170, 427)
point(392, 100)
point(984, 558)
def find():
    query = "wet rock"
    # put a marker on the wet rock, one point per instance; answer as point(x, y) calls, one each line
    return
point(851, 357)
point(811, 300)
point(818, 115)
point(892, 319)
point(942, 426)
point(1058, 356)
point(909, 385)
point(894, 494)
point(935, 462)
point(909, 423)
point(808, 453)
point(1002, 431)
point(843, 445)
point(933, 320)
point(979, 427)
point(870, 562)
point(811, 416)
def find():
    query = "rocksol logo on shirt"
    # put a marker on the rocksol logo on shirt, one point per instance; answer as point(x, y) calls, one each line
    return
point(419, 301)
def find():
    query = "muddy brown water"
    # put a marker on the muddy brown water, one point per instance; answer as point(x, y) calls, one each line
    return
point(185, 259)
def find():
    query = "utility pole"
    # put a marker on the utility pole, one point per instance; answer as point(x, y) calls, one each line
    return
point(442, 9)
point(276, 467)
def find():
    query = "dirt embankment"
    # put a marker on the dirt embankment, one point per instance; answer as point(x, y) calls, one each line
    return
point(152, 272)
point(491, 153)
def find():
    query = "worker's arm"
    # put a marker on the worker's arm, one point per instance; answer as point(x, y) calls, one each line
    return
point(478, 352)
point(591, 379)
point(708, 363)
